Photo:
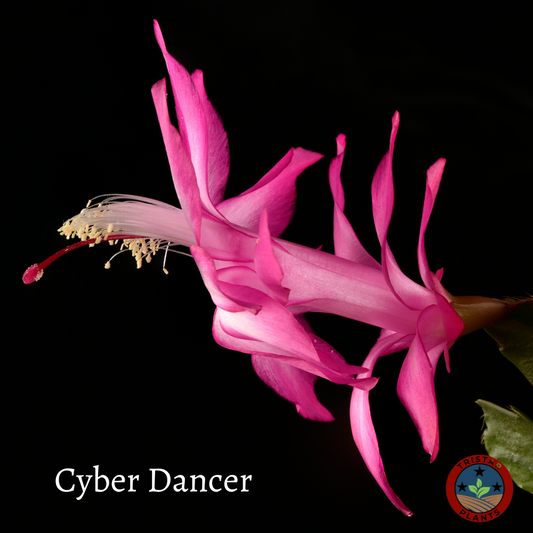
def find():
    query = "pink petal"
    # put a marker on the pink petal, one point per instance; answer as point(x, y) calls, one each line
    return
point(321, 282)
point(276, 191)
point(206, 266)
point(416, 390)
point(383, 187)
point(191, 119)
point(218, 155)
point(434, 176)
point(274, 326)
point(347, 245)
point(293, 384)
point(362, 426)
point(180, 164)
point(437, 328)
point(327, 354)
point(233, 339)
point(266, 264)
point(410, 293)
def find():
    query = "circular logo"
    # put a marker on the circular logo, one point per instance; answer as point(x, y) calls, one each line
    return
point(479, 488)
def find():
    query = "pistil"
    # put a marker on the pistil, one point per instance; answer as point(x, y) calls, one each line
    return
point(35, 272)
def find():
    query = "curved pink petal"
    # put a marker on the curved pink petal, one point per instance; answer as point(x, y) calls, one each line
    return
point(274, 326)
point(275, 191)
point(406, 290)
point(239, 341)
point(220, 298)
point(434, 175)
point(416, 387)
point(266, 264)
point(180, 165)
point(328, 355)
point(347, 245)
point(438, 327)
point(192, 121)
point(363, 430)
point(383, 187)
point(218, 150)
point(293, 384)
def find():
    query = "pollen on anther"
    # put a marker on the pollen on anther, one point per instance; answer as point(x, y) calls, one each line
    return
point(165, 270)
point(108, 265)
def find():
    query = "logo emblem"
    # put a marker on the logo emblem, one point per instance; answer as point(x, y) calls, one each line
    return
point(479, 488)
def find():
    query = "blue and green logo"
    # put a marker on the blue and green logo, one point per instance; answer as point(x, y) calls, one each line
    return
point(479, 488)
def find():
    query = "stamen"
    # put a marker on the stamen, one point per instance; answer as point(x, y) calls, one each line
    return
point(142, 224)
point(165, 258)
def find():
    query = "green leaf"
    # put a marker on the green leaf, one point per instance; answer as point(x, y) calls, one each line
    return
point(473, 489)
point(509, 438)
point(479, 482)
point(514, 335)
point(482, 491)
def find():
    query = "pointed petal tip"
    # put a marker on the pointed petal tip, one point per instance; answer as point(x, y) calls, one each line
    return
point(159, 37)
point(157, 29)
point(341, 143)
point(325, 416)
point(160, 85)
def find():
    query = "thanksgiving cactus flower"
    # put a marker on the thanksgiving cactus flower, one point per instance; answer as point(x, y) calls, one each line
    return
point(262, 285)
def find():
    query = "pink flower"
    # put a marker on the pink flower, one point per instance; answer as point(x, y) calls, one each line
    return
point(261, 285)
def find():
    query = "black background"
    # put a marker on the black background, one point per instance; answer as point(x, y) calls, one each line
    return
point(118, 368)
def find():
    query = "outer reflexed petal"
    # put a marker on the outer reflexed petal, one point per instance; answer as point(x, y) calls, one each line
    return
point(192, 121)
point(416, 388)
point(231, 339)
point(275, 191)
point(347, 245)
point(293, 384)
point(363, 430)
point(266, 264)
point(434, 175)
point(218, 151)
point(207, 269)
point(180, 164)
point(407, 291)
